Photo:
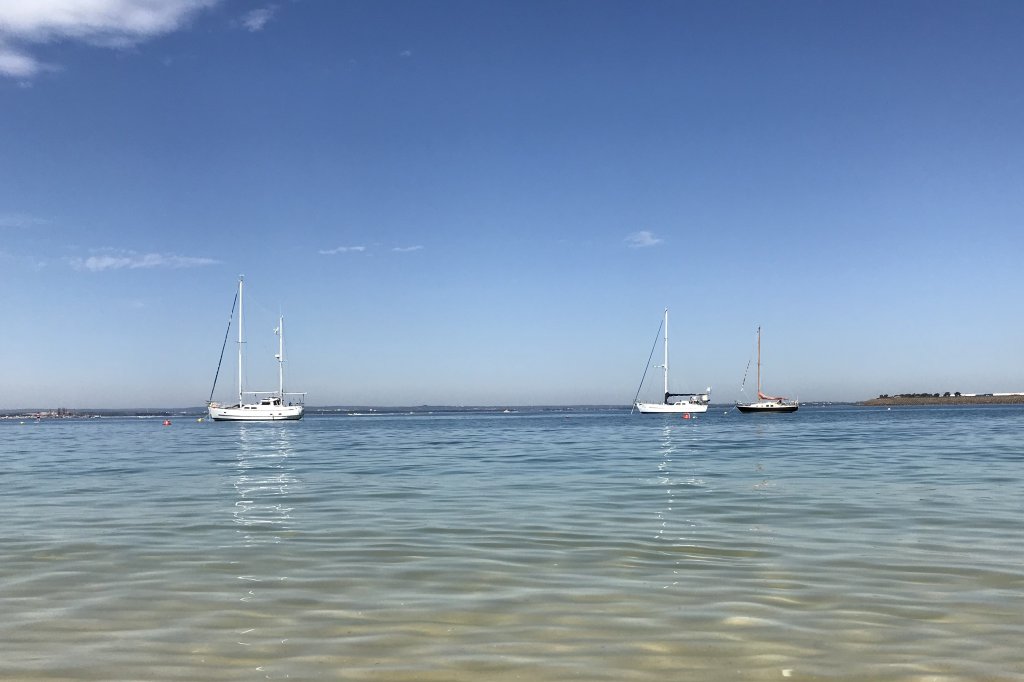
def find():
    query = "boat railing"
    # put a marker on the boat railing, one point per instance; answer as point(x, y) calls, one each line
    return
point(257, 394)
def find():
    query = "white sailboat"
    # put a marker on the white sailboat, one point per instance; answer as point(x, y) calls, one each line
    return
point(674, 403)
point(766, 403)
point(264, 405)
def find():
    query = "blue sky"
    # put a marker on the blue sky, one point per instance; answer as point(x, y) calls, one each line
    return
point(492, 202)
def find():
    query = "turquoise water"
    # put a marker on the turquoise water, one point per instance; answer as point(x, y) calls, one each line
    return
point(838, 543)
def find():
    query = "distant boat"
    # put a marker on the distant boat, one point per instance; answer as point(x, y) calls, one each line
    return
point(766, 403)
point(674, 403)
point(264, 405)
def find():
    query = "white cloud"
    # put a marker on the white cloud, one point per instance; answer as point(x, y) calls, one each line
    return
point(639, 240)
point(22, 261)
point(107, 23)
point(256, 19)
point(406, 249)
point(18, 64)
point(20, 221)
point(342, 249)
point(118, 260)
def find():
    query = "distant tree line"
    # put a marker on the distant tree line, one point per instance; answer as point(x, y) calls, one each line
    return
point(947, 394)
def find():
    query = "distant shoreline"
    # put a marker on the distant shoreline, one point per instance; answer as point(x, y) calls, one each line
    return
point(323, 410)
point(945, 400)
point(360, 411)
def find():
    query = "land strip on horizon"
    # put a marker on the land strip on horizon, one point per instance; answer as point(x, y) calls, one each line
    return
point(1014, 399)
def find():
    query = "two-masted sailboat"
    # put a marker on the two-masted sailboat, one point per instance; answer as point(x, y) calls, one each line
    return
point(265, 405)
point(766, 403)
point(674, 403)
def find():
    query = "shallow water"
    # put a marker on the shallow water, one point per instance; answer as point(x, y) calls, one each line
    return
point(837, 543)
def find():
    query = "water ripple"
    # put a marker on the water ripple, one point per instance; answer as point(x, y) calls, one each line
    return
point(843, 544)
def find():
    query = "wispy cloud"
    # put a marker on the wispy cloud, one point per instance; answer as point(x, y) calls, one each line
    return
point(104, 23)
point(405, 53)
point(18, 64)
point(119, 260)
point(641, 239)
point(22, 261)
point(407, 249)
point(20, 221)
point(342, 249)
point(256, 19)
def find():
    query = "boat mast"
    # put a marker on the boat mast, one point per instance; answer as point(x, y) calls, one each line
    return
point(759, 362)
point(666, 355)
point(240, 341)
point(280, 358)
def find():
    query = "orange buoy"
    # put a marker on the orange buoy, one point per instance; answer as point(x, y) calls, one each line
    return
point(686, 415)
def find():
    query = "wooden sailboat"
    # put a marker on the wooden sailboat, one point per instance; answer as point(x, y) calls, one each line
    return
point(674, 403)
point(264, 405)
point(766, 403)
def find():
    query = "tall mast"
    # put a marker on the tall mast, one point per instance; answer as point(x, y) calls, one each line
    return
point(666, 355)
point(240, 338)
point(280, 358)
point(759, 362)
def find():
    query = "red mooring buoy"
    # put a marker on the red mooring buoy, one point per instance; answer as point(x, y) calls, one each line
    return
point(686, 415)
point(167, 422)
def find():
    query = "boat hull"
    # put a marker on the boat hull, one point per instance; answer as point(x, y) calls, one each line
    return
point(671, 408)
point(766, 406)
point(256, 413)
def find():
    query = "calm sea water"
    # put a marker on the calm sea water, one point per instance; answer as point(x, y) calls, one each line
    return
point(838, 543)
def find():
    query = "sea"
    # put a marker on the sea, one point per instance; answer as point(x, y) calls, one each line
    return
point(837, 543)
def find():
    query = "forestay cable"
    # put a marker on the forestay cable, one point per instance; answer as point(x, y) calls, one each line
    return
point(640, 387)
point(224, 346)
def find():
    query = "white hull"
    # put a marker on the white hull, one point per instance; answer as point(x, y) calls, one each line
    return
point(255, 413)
point(275, 405)
point(674, 403)
point(672, 408)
